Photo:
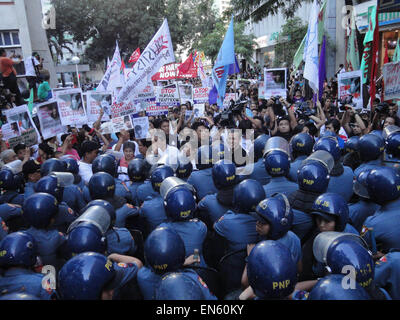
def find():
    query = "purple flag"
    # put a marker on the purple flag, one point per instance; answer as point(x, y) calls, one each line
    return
point(234, 68)
point(322, 69)
point(212, 96)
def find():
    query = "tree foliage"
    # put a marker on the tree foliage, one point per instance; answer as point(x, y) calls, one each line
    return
point(211, 43)
point(259, 9)
point(132, 22)
point(289, 41)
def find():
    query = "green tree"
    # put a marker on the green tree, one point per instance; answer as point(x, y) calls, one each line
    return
point(211, 43)
point(290, 37)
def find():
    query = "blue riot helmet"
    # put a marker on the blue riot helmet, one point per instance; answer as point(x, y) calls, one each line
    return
point(101, 186)
point(351, 145)
point(85, 276)
point(313, 174)
point(164, 250)
point(276, 144)
point(224, 174)
point(332, 206)
point(105, 163)
point(378, 133)
point(383, 185)
point(247, 195)
point(259, 146)
point(52, 165)
point(85, 237)
point(159, 175)
point(179, 199)
point(360, 184)
point(138, 170)
point(218, 152)
point(49, 184)
point(271, 270)
point(275, 211)
point(184, 169)
point(329, 144)
point(39, 209)
point(338, 249)
point(301, 145)
point(18, 249)
point(104, 204)
point(8, 180)
point(370, 147)
point(331, 288)
point(178, 286)
point(204, 157)
point(71, 165)
point(277, 163)
point(328, 133)
point(391, 134)
point(18, 296)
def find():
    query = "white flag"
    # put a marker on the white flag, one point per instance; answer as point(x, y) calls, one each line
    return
point(157, 53)
point(311, 49)
point(113, 78)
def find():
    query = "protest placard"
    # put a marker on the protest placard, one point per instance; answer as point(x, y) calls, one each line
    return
point(141, 127)
point(275, 83)
point(10, 130)
point(70, 107)
point(97, 101)
point(121, 123)
point(167, 96)
point(186, 93)
point(349, 84)
point(200, 95)
point(49, 119)
point(391, 76)
point(198, 110)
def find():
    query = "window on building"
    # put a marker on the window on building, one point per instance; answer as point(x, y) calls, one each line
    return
point(9, 39)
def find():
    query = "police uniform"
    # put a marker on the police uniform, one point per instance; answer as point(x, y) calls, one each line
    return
point(3, 229)
point(148, 281)
point(203, 183)
point(133, 189)
point(153, 212)
point(259, 173)
point(385, 223)
point(391, 161)
point(279, 185)
point(29, 189)
point(210, 209)
point(360, 211)
point(387, 273)
point(122, 190)
point(144, 191)
point(120, 240)
point(122, 213)
point(73, 197)
point(343, 183)
point(238, 229)
point(193, 234)
point(127, 273)
point(9, 210)
point(48, 243)
point(64, 217)
point(294, 167)
point(12, 196)
point(24, 281)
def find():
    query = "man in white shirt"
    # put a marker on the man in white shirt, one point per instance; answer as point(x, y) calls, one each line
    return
point(32, 64)
point(89, 149)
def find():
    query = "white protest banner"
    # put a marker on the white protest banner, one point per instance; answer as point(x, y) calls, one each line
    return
point(157, 53)
point(349, 84)
point(70, 107)
point(228, 98)
point(141, 127)
point(186, 93)
point(146, 94)
point(123, 109)
point(198, 110)
point(97, 101)
point(261, 90)
point(200, 95)
point(391, 76)
point(167, 96)
point(121, 123)
point(10, 130)
point(114, 77)
point(275, 83)
point(49, 119)
point(155, 110)
point(29, 133)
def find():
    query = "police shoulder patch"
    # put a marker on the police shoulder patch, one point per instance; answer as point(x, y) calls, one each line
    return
point(202, 282)
point(70, 211)
point(130, 206)
point(122, 265)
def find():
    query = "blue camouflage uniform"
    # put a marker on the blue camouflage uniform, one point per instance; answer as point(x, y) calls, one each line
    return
point(387, 273)
point(153, 212)
point(385, 223)
point(360, 211)
point(211, 208)
point(12, 196)
point(193, 233)
point(24, 281)
point(342, 184)
point(279, 185)
point(73, 197)
point(238, 229)
point(294, 167)
point(203, 183)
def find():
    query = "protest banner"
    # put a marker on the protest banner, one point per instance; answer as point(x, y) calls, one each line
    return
point(228, 98)
point(171, 72)
point(10, 130)
point(49, 119)
point(186, 93)
point(97, 101)
point(70, 107)
point(123, 109)
point(121, 123)
point(200, 95)
point(198, 110)
point(146, 94)
point(28, 137)
point(141, 127)
point(155, 110)
point(349, 84)
point(391, 76)
point(275, 83)
point(167, 96)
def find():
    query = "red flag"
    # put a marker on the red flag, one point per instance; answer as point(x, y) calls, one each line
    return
point(187, 65)
point(386, 59)
point(374, 62)
point(135, 56)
